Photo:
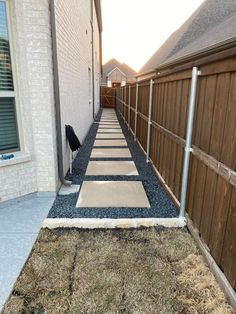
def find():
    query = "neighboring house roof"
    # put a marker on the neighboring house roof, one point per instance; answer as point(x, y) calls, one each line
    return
point(112, 64)
point(116, 68)
point(213, 22)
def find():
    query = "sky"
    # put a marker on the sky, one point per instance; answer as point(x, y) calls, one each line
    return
point(134, 29)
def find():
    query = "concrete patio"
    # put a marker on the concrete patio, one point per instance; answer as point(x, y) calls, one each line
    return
point(20, 223)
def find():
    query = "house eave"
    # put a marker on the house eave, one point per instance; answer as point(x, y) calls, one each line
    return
point(99, 13)
point(202, 53)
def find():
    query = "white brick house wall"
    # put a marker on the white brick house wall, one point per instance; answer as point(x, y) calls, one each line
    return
point(75, 67)
point(35, 168)
point(97, 65)
point(31, 50)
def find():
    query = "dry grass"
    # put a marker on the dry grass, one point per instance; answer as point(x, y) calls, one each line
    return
point(119, 271)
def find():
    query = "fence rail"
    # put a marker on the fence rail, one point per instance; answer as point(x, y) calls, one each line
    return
point(211, 193)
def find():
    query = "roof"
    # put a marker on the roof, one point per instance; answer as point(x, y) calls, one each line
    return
point(114, 70)
point(123, 67)
point(212, 23)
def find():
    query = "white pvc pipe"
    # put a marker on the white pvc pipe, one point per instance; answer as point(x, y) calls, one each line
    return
point(71, 161)
point(136, 113)
point(149, 121)
point(188, 144)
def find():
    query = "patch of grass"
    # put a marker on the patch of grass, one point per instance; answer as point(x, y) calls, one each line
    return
point(116, 271)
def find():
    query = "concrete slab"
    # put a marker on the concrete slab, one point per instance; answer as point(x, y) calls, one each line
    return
point(109, 130)
point(111, 135)
point(107, 143)
point(111, 168)
point(110, 153)
point(110, 126)
point(117, 127)
point(20, 223)
point(67, 190)
point(112, 194)
point(108, 120)
point(109, 114)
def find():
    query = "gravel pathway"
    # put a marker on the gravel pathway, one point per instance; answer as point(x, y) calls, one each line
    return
point(161, 204)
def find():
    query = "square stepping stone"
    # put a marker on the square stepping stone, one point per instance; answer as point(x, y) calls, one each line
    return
point(109, 130)
point(111, 168)
point(109, 123)
point(112, 194)
point(109, 127)
point(111, 135)
point(110, 143)
point(110, 153)
point(109, 120)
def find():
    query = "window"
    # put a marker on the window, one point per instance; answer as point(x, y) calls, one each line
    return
point(8, 124)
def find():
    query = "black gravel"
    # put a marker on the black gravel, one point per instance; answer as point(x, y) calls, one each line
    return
point(161, 204)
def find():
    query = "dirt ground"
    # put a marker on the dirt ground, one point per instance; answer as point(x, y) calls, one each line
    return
point(116, 271)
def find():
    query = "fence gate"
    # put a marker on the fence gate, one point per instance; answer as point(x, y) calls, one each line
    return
point(108, 95)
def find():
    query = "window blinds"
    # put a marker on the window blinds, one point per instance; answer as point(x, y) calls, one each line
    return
point(8, 123)
point(8, 130)
point(6, 81)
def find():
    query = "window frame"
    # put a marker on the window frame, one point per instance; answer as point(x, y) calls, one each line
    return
point(14, 93)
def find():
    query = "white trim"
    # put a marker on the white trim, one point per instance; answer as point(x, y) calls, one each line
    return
point(107, 223)
point(118, 70)
point(18, 158)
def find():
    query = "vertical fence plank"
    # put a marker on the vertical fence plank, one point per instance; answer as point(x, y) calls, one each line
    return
point(211, 199)
point(228, 259)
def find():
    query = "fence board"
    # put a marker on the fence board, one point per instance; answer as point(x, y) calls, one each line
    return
point(211, 199)
point(228, 260)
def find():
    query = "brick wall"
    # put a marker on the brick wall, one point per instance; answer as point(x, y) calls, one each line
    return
point(75, 66)
point(32, 55)
point(31, 47)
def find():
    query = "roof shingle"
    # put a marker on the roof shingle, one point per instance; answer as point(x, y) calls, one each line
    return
point(213, 22)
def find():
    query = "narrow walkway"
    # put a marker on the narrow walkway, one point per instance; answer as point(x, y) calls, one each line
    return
point(116, 181)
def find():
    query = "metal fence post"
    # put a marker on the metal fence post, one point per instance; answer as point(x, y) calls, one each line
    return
point(149, 120)
point(136, 113)
point(125, 104)
point(129, 106)
point(121, 99)
point(188, 143)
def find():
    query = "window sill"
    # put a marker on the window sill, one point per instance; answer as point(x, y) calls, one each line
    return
point(19, 158)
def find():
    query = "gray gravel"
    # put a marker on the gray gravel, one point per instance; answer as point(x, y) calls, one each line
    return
point(161, 204)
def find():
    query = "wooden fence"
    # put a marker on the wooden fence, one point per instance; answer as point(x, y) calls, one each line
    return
point(211, 196)
point(108, 97)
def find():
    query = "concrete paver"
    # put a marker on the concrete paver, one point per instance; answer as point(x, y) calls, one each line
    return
point(110, 153)
point(112, 194)
point(109, 130)
point(112, 168)
point(110, 135)
point(109, 143)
